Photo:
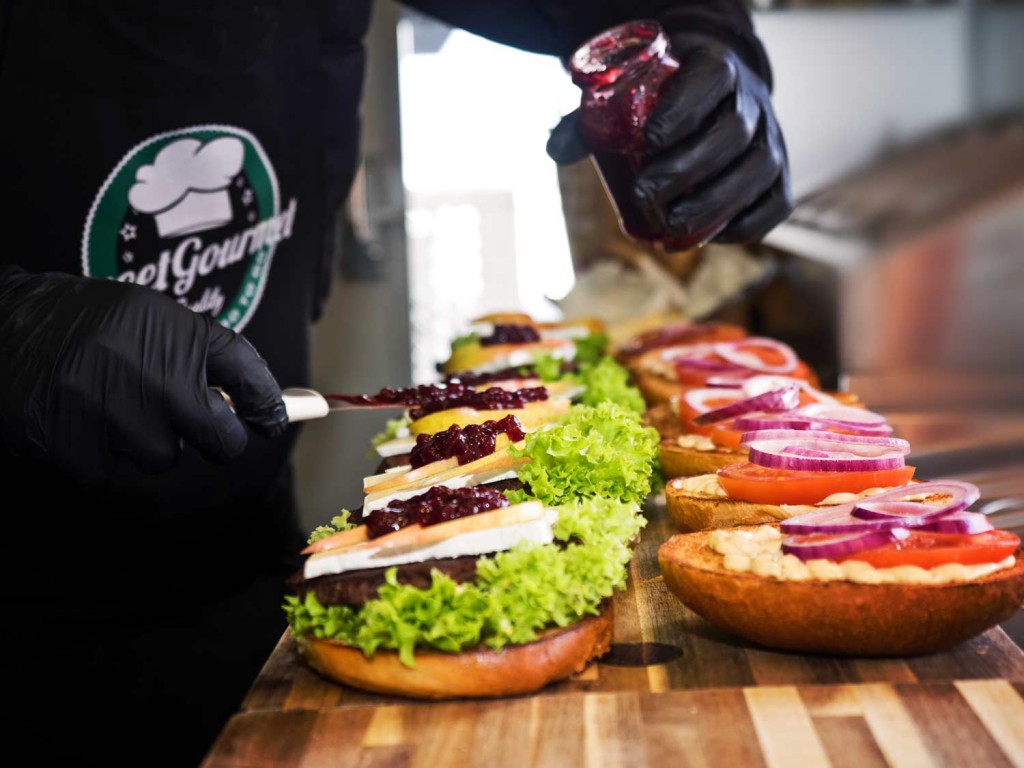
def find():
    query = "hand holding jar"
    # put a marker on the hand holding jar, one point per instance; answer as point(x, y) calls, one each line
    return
point(684, 136)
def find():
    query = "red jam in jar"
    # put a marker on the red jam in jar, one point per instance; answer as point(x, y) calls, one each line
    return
point(623, 72)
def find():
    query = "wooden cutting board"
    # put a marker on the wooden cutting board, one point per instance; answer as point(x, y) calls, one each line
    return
point(673, 688)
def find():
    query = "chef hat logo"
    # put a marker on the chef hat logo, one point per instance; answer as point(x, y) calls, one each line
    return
point(186, 186)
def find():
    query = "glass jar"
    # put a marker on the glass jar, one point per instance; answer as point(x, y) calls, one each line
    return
point(622, 72)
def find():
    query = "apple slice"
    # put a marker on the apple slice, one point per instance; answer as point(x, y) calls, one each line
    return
point(415, 536)
point(412, 477)
point(495, 463)
point(338, 540)
point(407, 476)
point(423, 536)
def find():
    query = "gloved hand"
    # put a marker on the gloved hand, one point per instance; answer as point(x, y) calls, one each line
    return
point(94, 370)
point(716, 157)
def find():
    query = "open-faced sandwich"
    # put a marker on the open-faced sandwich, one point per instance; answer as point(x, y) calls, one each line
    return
point(499, 342)
point(786, 471)
point(664, 372)
point(483, 567)
point(701, 428)
point(903, 572)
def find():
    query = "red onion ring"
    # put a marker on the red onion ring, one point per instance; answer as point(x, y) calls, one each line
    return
point(755, 422)
point(697, 398)
point(958, 522)
point(830, 546)
point(721, 381)
point(733, 352)
point(893, 504)
point(888, 509)
point(844, 414)
point(755, 385)
point(778, 400)
point(788, 449)
point(837, 519)
point(712, 366)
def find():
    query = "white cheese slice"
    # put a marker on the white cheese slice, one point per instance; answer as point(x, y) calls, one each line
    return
point(396, 447)
point(566, 332)
point(482, 542)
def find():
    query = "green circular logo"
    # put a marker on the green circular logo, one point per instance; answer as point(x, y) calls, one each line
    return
point(193, 213)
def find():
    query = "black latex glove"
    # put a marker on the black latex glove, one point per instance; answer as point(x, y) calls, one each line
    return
point(94, 370)
point(717, 160)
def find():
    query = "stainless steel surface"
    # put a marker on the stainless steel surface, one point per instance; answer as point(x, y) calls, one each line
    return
point(923, 256)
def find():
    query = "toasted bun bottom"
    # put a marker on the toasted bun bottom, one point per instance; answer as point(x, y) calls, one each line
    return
point(477, 673)
point(837, 617)
point(655, 390)
point(677, 461)
point(697, 513)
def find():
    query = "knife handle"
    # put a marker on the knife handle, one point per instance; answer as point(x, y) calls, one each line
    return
point(304, 404)
point(300, 404)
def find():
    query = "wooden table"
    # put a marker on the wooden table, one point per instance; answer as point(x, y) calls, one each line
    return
point(721, 702)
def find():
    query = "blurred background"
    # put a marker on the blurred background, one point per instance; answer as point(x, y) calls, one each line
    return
point(900, 275)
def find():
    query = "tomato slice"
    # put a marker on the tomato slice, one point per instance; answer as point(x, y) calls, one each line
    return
point(724, 436)
point(930, 550)
point(688, 414)
point(760, 485)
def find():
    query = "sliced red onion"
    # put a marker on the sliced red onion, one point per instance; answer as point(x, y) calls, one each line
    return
point(712, 366)
point(893, 503)
point(836, 519)
point(844, 414)
point(888, 510)
point(893, 443)
point(791, 449)
point(697, 399)
point(755, 385)
point(958, 522)
point(733, 352)
point(914, 513)
point(754, 422)
point(831, 546)
point(724, 381)
point(809, 453)
point(779, 400)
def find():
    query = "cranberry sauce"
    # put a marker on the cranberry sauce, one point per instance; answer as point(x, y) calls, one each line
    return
point(438, 505)
point(466, 443)
point(490, 399)
point(424, 393)
point(429, 398)
point(622, 73)
point(510, 334)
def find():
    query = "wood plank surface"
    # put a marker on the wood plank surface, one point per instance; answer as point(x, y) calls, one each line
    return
point(720, 701)
point(902, 725)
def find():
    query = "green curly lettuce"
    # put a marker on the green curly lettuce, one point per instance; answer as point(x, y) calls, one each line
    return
point(516, 593)
point(590, 349)
point(547, 367)
point(607, 381)
point(600, 450)
point(390, 431)
point(603, 381)
point(340, 522)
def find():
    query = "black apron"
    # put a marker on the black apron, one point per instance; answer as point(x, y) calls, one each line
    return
point(198, 147)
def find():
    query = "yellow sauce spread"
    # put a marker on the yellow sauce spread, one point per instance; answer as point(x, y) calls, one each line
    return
point(706, 486)
point(696, 443)
point(759, 551)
